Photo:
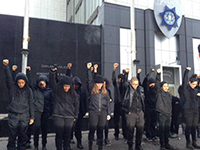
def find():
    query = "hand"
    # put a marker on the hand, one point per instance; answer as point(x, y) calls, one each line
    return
point(139, 71)
point(159, 70)
point(5, 62)
point(188, 68)
point(69, 65)
point(92, 68)
point(31, 122)
point(115, 65)
point(74, 120)
point(14, 67)
point(198, 94)
point(127, 70)
point(108, 117)
point(95, 66)
point(86, 114)
point(53, 69)
point(28, 68)
point(110, 100)
point(199, 77)
point(89, 65)
point(152, 70)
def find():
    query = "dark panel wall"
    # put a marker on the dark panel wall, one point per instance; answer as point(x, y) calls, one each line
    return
point(51, 43)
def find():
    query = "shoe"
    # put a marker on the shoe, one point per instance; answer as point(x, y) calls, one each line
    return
point(189, 146)
point(138, 148)
point(79, 145)
point(36, 148)
point(162, 148)
point(100, 144)
point(72, 142)
point(44, 148)
point(90, 145)
point(125, 141)
point(149, 139)
point(116, 137)
point(28, 146)
point(194, 144)
point(155, 139)
point(107, 142)
point(174, 135)
point(168, 146)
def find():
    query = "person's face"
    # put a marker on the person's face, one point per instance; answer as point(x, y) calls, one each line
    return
point(165, 87)
point(134, 84)
point(193, 84)
point(152, 85)
point(66, 87)
point(119, 80)
point(76, 85)
point(99, 85)
point(21, 83)
point(42, 84)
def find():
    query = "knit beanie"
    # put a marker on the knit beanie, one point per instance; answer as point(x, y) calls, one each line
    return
point(150, 81)
point(21, 76)
point(66, 80)
point(193, 78)
point(99, 79)
point(42, 78)
point(120, 75)
point(162, 83)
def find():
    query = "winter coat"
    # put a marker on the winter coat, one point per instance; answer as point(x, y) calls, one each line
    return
point(127, 102)
point(189, 96)
point(43, 98)
point(97, 102)
point(67, 107)
point(164, 99)
point(21, 100)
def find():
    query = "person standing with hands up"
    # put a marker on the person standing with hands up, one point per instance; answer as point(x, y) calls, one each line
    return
point(20, 109)
point(99, 110)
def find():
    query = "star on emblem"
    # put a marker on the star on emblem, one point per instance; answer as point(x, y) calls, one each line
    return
point(169, 17)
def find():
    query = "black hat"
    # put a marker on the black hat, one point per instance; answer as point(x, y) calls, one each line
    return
point(193, 78)
point(120, 75)
point(150, 81)
point(99, 79)
point(42, 78)
point(66, 80)
point(162, 83)
point(21, 76)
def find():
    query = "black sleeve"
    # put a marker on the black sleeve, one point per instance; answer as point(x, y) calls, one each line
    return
point(52, 80)
point(30, 82)
point(158, 82)
point(9, 79)
point(68, 72)
point(138, 77)
point(89, 81)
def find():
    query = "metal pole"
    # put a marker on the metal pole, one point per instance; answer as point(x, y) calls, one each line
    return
point(133, 49)
point(26, 38)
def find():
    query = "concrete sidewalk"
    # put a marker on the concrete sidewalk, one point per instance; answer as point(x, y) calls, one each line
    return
point(178, 143)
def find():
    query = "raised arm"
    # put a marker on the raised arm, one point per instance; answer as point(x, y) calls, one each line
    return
point(89, 78)
point(69, 72)
point(14, 72)
point(52, 79)
point(185, 78)
point(114, 74)
point(28, 73)
point(158, 79)
point(138, 76)
point(9, 80)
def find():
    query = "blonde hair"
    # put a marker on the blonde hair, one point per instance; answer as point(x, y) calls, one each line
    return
point(95, 90)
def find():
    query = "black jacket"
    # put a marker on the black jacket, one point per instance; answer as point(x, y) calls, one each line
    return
point(43, 98)
point(64, 108)
point(97, 102)
point(21, 100)
point(127, 102)
point(164, 99)
point(119, 88)
point(188, 96)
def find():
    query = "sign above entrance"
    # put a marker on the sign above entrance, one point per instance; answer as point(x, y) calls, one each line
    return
point(168, 15)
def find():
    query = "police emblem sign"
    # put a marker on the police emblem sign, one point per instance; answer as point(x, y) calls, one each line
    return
point(168, 15)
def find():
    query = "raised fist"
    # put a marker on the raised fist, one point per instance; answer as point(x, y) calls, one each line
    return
point(14, 67)
point(115, 65)
point(95, 66)
point(127, 69)
point(159, 70)
point(89, 65)
point(139, 71)
point(5, 62)
point(152, 70)
point(53, 69)
point(28, 68)
point(69, 65)
point(188, 68)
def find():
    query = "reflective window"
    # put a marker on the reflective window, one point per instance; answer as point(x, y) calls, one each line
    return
point(196, 58)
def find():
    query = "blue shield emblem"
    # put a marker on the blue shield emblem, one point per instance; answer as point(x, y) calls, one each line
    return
point(168, 16)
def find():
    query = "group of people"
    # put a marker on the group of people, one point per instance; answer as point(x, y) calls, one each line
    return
point(146, 107)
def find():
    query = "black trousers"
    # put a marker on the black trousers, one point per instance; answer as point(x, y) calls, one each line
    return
point(63, 128)
point(151, 120)
point(97, 120)
point(117, 113)
point(135, 120)
point(175, 122)
point(41, 122)
point(191, 120)
point(77, 128)
point(18, 125)
point(164, 128)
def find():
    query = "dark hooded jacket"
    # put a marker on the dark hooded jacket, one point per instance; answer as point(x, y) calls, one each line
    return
point(97, 102)
point(21, 99)
point(164, 99)
point(67, 107)
point(43, 98)
point(188, 95)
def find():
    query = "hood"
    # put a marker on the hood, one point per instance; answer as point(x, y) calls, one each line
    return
point(42, 78)
point(21, 76)
point(77, 80)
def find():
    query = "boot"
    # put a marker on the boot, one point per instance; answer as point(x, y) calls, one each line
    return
point(130, 147)
point(44, 148)
point(90, 145)
point(189, 146)
point(194, 144)
point(100, 144)
point(198, 131)
point(79, 145)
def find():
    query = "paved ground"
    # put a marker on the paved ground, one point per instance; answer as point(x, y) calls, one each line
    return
point(178, 143)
